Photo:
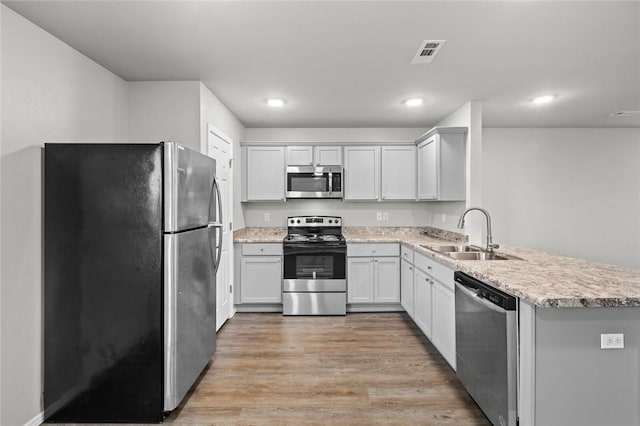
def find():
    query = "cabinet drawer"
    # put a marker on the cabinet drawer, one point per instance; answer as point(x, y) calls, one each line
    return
point(435, 269)
point(259, 249)
point(406, 253)
point(373, 249)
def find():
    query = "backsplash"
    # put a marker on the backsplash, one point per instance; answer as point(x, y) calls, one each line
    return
point(443, 215)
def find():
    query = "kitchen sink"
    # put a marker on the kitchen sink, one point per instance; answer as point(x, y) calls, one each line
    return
point(451, 248)
point(462, 252)
point(479, 255)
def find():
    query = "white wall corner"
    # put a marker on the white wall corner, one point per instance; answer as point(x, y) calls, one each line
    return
point(469, 115)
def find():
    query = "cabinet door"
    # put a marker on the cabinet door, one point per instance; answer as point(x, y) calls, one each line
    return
point(387, 279)
point(444, 322)
point(327, 155)
point(362, 172)
point(360, 279)
point(265, 173)
point(299, 155)
point(428, 169)
point(406, 284)
point(422, 302)
point(398, 173)
point(260, 279)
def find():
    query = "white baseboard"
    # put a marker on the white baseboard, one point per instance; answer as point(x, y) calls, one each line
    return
point(374, 307)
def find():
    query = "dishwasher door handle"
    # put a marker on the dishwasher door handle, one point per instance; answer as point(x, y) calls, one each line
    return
point(479, 299)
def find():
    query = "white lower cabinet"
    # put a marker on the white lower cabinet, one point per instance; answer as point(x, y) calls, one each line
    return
point(261, 273)
point(386, 271)
point(428, 297)
point(422, 302)
point(373, 273)
point(406, 286)
point(373, 280)
point(443, 333)
point(360, 280)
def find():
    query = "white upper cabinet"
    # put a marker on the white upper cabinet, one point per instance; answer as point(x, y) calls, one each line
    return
point(327, 155)
point(399, 172)
point(362, 173)
point(300, 155)
point(263, 170)
point(314, 155)
point(441, 164)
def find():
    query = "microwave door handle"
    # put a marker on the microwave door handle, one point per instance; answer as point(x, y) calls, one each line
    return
point(330, 182)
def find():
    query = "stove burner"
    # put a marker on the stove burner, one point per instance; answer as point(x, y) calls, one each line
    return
point(313, 238)
point(314, 229)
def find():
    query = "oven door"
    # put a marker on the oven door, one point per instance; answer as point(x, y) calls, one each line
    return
point(314, 261)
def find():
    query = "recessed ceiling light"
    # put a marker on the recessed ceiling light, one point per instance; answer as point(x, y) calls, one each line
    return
point(413, 102)
point(275, 102)
point(543, 99)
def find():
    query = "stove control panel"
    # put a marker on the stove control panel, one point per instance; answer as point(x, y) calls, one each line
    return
point(312, 221)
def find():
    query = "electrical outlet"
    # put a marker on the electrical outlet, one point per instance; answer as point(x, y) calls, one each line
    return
point(267, 217)
point(385, 216)
point(612, 341)
point(379, 216)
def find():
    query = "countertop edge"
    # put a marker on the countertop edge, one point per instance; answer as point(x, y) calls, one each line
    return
point(415, 242)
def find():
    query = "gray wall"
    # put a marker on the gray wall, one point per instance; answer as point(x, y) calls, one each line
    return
point(50, 92)
point(165, 110)
point(577, 383)
point(574, 192)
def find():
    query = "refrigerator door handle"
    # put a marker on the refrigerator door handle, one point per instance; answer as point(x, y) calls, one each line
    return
point(217, 224)
point(218, 199)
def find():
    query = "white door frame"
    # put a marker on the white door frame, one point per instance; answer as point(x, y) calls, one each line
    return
point(228, 211)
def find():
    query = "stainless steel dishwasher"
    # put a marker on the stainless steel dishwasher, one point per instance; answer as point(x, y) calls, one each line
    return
point(486, 347)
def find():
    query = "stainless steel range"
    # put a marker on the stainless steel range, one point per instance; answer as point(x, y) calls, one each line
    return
point(315, 255)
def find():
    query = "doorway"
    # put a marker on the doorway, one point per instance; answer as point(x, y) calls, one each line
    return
point(220, 147)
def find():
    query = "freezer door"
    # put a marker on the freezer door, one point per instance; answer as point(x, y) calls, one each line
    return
point(190, 310)
point(188, 188)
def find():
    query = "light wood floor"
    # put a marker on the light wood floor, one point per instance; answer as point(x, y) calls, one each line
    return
point(361, 369)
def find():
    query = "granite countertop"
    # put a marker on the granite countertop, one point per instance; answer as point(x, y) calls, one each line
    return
point(544, 279)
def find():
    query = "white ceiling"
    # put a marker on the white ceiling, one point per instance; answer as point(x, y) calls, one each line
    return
point(348, 63)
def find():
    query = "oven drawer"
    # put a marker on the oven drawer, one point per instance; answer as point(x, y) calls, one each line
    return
point(303, 286)
point(262, 249)
point(314, 303)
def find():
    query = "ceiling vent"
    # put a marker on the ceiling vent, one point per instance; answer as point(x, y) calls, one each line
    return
point(427, 51)
point(625, 114)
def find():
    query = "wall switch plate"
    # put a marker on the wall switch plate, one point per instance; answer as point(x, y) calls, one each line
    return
point(612, 341)
point(379, 216)
point(267, 217)
point(385, 216)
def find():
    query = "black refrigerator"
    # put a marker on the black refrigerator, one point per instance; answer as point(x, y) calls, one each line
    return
point(132, 243)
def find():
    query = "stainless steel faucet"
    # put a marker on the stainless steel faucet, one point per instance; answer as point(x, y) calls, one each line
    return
point(490, 243)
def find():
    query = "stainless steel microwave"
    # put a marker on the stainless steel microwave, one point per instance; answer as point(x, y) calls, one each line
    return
point(314, 182)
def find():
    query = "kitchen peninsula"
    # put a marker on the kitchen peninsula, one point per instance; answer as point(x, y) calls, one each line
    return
point(565, 304)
